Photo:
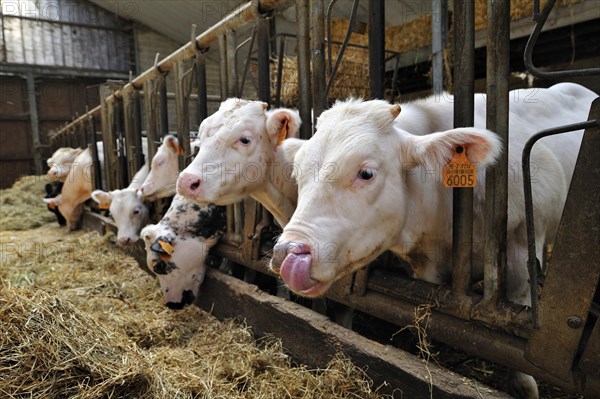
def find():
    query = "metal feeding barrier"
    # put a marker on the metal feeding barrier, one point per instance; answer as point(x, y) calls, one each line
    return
point(479, 322)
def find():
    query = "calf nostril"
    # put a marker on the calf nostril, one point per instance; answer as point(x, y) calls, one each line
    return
point(195, 185)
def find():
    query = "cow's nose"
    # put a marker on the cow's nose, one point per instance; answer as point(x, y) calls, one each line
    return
point(187, 298)
point(124, 240)
point(282, 249)
point(188, 184)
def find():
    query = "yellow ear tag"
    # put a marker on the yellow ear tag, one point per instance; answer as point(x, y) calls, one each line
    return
point(168, 248)
point(459, 172)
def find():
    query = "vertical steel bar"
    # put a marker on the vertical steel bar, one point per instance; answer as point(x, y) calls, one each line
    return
point(318, 58)
point(439, 38)
point(496, 184)
point(164, 106)
point(263, 54)
point(108, 139)
point(462, 226)
point(35, 126)
point(129, 124)
point(223, 66)
point(139, 152)
point(121, 140)
point(304, 81)
point(202, 103)
point(232, 74)
point(151, 94)
point(280, 55)
point(182, 110)
point(95, 158)
point(376, 48)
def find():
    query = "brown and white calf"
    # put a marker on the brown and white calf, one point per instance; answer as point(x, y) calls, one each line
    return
point(242, 154)
point(367, 184)
point(60, 162)
point(176, 248)
point(77, 188)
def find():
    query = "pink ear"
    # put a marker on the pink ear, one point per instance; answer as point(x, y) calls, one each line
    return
point(437, 149)
point(282, 123)
point(172, 143)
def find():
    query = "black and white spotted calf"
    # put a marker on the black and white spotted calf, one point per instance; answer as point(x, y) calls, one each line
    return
point(176, 248)
point(52, 191)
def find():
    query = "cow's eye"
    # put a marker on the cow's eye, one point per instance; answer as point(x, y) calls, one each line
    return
point(245, 140)
point(366, 174)
point(136, 211)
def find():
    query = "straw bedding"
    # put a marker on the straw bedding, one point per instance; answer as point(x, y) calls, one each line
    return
point(79, 319)
point(21, 206)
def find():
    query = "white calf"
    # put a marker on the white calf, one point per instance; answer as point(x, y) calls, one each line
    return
point(367, 184)
point(60, 163)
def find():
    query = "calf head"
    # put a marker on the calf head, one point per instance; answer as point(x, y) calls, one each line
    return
point(353, 191)
point(237, 146)
point(60, 163)
point(162, 178)
point(128, 211)
point(70, 210)
point(180, 269)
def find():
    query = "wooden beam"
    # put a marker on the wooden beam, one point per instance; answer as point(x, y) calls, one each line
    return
point(314, 340)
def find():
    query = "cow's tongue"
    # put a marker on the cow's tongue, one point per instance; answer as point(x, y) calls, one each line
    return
point(295, 271)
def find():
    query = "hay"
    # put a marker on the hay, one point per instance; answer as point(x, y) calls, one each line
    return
point(22, 206)
point(80, 319)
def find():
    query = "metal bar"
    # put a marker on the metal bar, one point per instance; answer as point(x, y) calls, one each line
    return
point(540, 19)
point(239, 17)
point(223, 66)
point(108, 138)
point(263, 55)
point(376, 47)
point(202, 103)
point(329, 38)
point(248, 58)
point(232, 75)
point(95, 158)
point(278, 87)
point(183, 111)
point(395, 78)
point(340, 54)
point(318, 59)
point(464, 76)
point(132, 132)
point(35, 126)
point(439, 40)
point(151, 115)
point(531, 261)
point(123, 171)
point(496, 178)
point(305, 102)
point(163, 105)
point(139, 152)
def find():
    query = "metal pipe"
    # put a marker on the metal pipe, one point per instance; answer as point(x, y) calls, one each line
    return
point(329, 38)
point(439, 41)
point(280, 55)
point(151, 113)
point(496, 184)
point(263, 54)
point(232, 78)
point(529, 220)
point(239, 17)
point(340, 54)
point(304, 85)
point(376, 47)
point(462, 208)
point(95, 159)
point(123, 170)
point(248, 58)
point(163, 105)
point(182, 111)
point(223, 66)
point(540, 19)
point(318, 59)
point(202, 103)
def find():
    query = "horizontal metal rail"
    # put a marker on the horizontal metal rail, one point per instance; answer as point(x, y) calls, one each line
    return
point(239, 17)
point(530, 224)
